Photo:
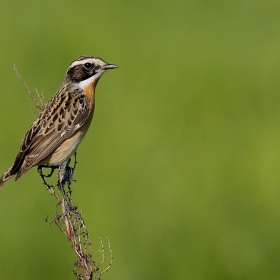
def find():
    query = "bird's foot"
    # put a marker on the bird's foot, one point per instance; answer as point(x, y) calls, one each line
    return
point(43, 176)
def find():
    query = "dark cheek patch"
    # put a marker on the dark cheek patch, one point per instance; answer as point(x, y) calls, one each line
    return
point(78, 73)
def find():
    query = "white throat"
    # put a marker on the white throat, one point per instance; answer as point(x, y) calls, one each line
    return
point(83, 84)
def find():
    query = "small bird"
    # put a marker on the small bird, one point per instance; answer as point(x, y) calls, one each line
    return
point(63, 122)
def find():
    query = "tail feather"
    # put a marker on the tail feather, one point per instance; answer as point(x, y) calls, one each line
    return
point(7, 175)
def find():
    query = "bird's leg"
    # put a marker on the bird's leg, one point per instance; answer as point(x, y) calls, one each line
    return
point(65, 174)
point(70, 171)
point(75, 161)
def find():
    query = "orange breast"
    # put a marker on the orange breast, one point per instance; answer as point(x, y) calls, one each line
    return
point(89, 91)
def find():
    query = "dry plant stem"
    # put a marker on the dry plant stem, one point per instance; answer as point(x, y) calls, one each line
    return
point(67, 223)
point(70, 221)
point(66, 220)
point(73, 222)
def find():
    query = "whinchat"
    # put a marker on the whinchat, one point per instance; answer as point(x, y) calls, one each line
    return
point(63, 122)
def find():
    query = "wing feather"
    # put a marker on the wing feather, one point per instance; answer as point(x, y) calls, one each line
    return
point(49, 131)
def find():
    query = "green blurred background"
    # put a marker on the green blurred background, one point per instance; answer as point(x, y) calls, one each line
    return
point(181, 165)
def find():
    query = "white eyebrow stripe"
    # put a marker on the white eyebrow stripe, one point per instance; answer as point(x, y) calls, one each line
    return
point(90, 60)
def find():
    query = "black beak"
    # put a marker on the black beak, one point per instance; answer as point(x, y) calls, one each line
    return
point(109, 66)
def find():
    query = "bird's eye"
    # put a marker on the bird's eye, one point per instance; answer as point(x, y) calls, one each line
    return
point(87, 65)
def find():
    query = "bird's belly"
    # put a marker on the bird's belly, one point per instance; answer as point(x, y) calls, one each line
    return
point(65, 150)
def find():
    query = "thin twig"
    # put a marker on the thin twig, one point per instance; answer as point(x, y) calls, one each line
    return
point(103, 258)
point(41, 97)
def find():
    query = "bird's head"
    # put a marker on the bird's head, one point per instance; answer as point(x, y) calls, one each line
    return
point(86, 70)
